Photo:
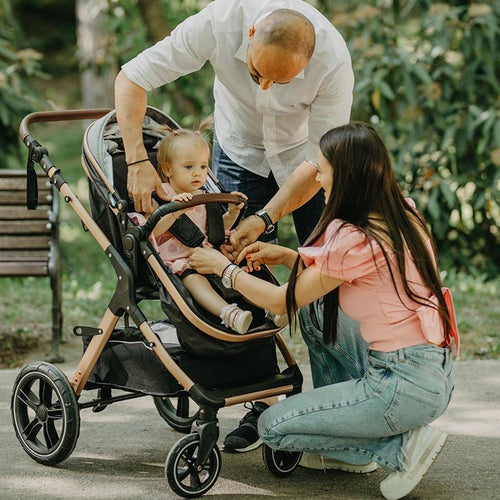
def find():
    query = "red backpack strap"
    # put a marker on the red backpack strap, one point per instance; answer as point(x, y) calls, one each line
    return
point(453, 320)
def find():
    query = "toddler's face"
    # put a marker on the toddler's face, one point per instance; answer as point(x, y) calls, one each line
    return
point(188, 169)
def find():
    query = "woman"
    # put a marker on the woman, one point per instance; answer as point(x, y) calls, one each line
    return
point(377, 385)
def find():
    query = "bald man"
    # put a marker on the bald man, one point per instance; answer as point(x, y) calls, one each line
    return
point(283, 77)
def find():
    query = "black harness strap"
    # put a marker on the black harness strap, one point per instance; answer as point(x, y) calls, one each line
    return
point(189, 234)
point(215, 224)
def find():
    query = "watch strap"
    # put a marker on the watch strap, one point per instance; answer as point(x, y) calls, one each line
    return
point(227, 275)
point(267, 221)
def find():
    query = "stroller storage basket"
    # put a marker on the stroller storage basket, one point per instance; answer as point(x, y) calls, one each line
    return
point(128, 363)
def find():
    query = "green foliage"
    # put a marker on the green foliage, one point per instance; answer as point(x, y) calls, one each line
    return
point(429, 80)
point(17, 97)
point(427, 75)
point(186, 100)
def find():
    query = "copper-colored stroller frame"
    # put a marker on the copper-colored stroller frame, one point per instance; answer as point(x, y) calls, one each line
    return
point(123, 302)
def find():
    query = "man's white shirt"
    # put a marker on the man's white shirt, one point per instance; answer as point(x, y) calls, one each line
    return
point(260, 130)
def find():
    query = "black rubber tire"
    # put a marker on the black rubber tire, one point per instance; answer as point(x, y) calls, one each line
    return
point(182, 476)
point(280, 463)
point(45, 413)
point(175, 411)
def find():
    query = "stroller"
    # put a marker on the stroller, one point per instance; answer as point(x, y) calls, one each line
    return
point(189, 363)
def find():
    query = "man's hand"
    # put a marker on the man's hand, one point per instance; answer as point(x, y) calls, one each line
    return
point(247, 231)
point(142, 180)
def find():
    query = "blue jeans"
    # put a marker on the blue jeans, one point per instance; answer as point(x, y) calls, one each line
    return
point(260, 190)
point(364, 401)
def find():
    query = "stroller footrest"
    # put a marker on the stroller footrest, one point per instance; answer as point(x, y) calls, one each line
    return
point(290, 376)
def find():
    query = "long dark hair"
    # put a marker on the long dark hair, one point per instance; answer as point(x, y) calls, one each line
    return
point(363, 186)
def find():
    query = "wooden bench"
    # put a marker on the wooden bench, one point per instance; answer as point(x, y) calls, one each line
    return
point(29, 239)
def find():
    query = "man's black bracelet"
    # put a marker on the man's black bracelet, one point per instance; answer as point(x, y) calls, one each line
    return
point(138, 161)
point(267, 221)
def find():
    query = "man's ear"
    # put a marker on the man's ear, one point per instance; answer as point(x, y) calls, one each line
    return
point(251, 31)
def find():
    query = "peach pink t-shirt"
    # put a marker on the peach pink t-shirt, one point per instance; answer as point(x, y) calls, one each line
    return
point(368, 294)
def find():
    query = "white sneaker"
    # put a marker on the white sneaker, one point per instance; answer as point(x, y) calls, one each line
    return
point(421, 449)
point(235, 318)
point(317, 462)
point(242, 321)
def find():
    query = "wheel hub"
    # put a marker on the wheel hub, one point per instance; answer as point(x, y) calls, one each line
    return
point(42, 413)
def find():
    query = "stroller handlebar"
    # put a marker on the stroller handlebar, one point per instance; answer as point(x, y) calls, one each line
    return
point(58, 116)
point(198, 199)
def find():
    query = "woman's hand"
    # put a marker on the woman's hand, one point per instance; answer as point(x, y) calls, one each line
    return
point(259, 253)
point(208, 261)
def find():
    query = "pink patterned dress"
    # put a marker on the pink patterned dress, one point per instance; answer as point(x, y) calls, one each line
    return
point(174, 253)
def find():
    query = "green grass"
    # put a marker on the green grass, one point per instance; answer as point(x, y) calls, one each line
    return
point(89, 280)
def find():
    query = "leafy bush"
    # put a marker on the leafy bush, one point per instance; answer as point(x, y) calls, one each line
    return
point(427, 75)
point(430, 79)
point(17, 96)
point(187, 100)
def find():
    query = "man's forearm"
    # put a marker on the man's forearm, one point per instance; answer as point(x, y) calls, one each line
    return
point(300, 187)
point(130, 104)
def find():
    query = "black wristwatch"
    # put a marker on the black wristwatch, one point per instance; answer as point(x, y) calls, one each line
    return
point(267, 221)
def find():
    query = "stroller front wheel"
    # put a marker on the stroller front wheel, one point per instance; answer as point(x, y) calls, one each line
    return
point(183, 476)
point(45, 413)
point(280, 463)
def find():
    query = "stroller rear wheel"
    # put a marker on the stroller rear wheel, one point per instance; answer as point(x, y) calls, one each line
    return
point(183, 476)
point(45, 413)
point(176, 411)
point(280, 463)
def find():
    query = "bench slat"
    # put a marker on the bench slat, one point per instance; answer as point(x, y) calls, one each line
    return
point(26, 227)
point(24, 268)
point(14, 184)
point(19, 198)
point(23, 255)
point(19, 242)
point(15, 180)
point(22, 213)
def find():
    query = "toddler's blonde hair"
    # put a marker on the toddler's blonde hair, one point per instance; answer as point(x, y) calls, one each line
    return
point(168, 144)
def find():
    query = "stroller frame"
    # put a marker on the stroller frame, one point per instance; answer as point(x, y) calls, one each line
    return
point(198, 451)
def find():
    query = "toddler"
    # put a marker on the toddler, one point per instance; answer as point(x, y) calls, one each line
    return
point(183, 160)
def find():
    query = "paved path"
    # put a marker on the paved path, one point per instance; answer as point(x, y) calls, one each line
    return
point(121, 451)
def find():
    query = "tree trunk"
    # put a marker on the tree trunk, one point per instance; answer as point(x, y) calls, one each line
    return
point(154, 19)
point(97, 71)
point(157, 28)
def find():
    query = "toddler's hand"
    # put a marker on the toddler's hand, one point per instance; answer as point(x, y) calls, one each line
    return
point(234, 209)
point(182, 197)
